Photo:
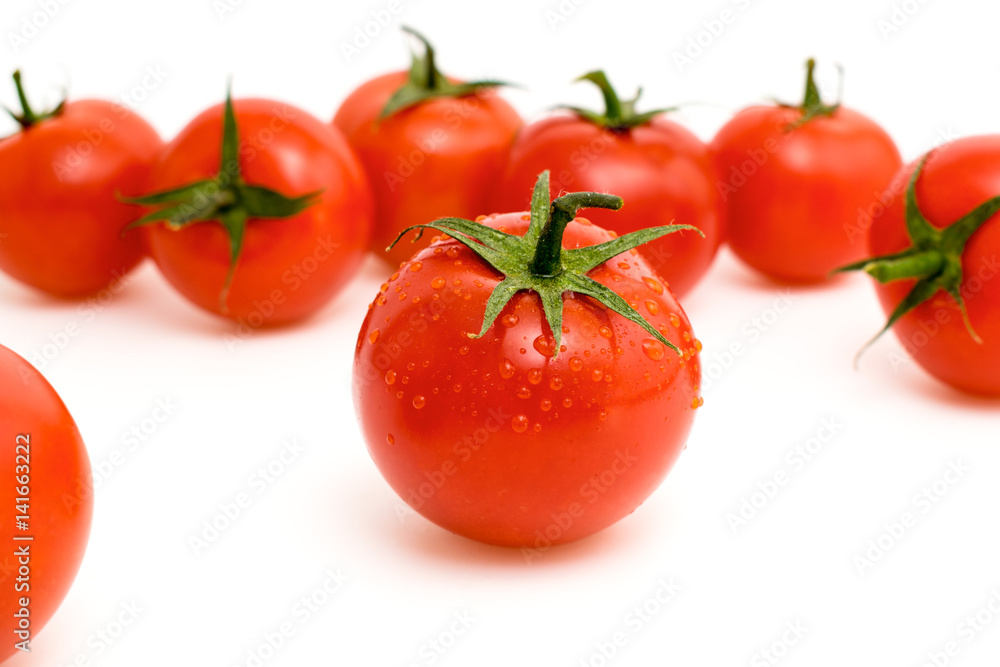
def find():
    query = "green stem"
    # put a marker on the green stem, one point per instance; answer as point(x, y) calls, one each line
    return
point(429, 81)
point(28, 117)
point(612, 103)
point(811, 99)
point(920, 265)
point(548, 253)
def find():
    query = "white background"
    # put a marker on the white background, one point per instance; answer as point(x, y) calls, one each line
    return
point(795, 561)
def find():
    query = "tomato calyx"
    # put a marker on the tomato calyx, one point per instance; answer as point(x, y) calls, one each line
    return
point(934, 259)
point(225, 198)
point(812, 103)
point(537, 261)
point(619, 115)
point(28, 116)
point(426, 82)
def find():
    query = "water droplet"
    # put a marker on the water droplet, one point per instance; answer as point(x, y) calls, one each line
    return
point(544, 345)
point(373, 337)
point(674, 320)
point(605, 332)
point(648, 376)
point(510, 320)
point(697, 402)
point(652, 307)
point(405, 379)
point(438, 283)
point(583, 221)
point(464, 349)
point(603, 416)
point(597, 375)
point(697, 345)
point(416, 266)
point(480, 218)
point(526, 217)
point(534, 376)
point(523, 392)
point(519, 423)
point(545, 405)
point(567, 402)
point(419, 401)
point(399, 394)
point(394, 276)
point(410, 366)
point(576, 364)
point(390, 377)
point(507, 369)
point(391, 440)
point(687, 336)
point(402, 296)
point(452, 252)
point(623, 265)
point(653, 349)
point(537, 428)
point(457, 388)
point(555, 383)
point(384, 288)
point(653, 284)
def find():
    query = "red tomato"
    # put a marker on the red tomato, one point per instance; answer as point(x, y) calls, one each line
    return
point(794, 181)
point(956, 179)
point(662, 171)
point(437, 157)
point(285, 268)
point(60, 221)
point(494, 438)
point(44, 466)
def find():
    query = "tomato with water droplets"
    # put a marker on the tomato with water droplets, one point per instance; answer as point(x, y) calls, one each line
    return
point(517, 438)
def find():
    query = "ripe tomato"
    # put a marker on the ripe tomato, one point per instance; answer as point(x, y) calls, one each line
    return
point(935, 250)
point(267, 258)
point(794, 181)
point(60, 222)
point(431, 146)
point(44, 466)
point(562, 415)
point(659, 168)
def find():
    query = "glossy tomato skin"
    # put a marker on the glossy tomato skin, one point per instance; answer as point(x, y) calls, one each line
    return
point(793, 197)
point(495, 440)
point(662, 172)
point(59, 209)
point(60, 504)
point(288, 268)
point(956, 179)
point(437, 159)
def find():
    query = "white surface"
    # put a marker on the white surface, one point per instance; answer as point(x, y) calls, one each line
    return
point(410, 582)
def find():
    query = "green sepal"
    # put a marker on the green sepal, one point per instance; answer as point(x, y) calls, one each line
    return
point(619, 115)
point(564, 270)
point(812, 103)
point(934, 259)
point(426, 82)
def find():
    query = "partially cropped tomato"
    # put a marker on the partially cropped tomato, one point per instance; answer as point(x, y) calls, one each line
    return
point(273, 229)
point(662, 171)
point(797, 183)
point(432, 146)
point(47, 505)
point(935, 259)
point(528, 389)
point(60, 221)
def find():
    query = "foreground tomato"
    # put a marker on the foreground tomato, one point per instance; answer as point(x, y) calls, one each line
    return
point(936, 262)
point(266, 258)
point(795, 182)
point(60, 223)
point(46, 518)
point(564, 412)
point(432, 146)
point(662, 170)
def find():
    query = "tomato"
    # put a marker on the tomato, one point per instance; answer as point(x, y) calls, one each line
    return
point(46, 486)
point(937, 255)
point(796, 180)
point(265, 258)
point(432, 146)
point(562, 415)
point(659, 168)
point(60, 222)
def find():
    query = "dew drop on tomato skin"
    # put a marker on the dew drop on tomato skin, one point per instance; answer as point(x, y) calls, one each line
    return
point(653, 284)
point(438, 283)
point(674, 320)
point(545, 405)
point(576, 364)
point(452, 252)
point(416, 266)
point(391, 440)
point(373, 337)
point(463, 350)
point(507, 369)
point(567, 402)
point(510, 320)
point(390, 377)
point(605, 332)
point(419, 402)
point(597, 375)
point(523, 392)
point(519, 423)
point(652, 307)
point(535, 376)
point(556, 383)
point(544, 345)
